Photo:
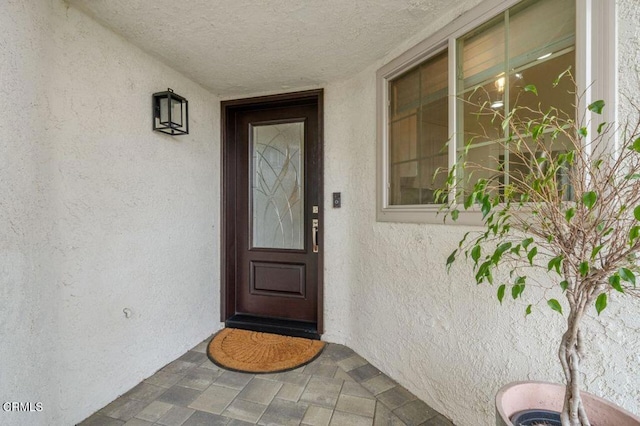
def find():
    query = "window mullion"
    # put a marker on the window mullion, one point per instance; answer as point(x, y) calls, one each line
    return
point(419, 136)
point(507, 105)
point(453, 111)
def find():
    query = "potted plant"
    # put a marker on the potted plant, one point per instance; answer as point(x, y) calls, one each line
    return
point(569, 204)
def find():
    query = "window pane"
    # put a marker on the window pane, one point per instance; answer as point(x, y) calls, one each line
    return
point(404, 94)
point(404, 137)
point(434, 148)
point(542, 75)
point(538, 39)
point(418, 132)
point(521, 161)
point(481, 53)
point(537, 28)
point(435, 79)
point(404, 185)
point(485, 162)
point(476, 121)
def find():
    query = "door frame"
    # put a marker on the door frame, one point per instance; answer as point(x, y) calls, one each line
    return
point(228, 112)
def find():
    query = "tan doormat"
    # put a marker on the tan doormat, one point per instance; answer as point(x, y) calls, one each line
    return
point(253, 352)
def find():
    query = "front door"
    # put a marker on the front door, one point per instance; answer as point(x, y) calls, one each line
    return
point(273, 210)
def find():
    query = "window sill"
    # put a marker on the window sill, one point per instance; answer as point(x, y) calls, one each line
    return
point(428, 215)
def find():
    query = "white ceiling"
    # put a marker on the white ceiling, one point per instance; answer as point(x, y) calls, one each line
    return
point(251, 46)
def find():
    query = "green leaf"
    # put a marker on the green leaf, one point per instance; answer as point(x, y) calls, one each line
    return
point(501, 292)
point(614, 280)
point(532, 254)
point(601, 126)
point(636, 145)
point(559, 77)
point(497, 255)
point(596, 107)
point(555, 263)
point(536, 185)
point(636, 213)
point(475, 253)
point(484, 272)
point(589, 199)
point(464, 238)
point(525, 243)
point(437, 196)
point(555, 305)
point(454, 214)
point(627, 275)
point(535, 134)
point(451, 259)
point(528, 311)
point(601, 302)
point(516, 250)
point(563, 285)
point(569, 214)
point(634, 233)
point(531, 88)
point(486, 206)
point(595, 251)
point(468, 202)
point(541, 160)
point(583, 132)
point(583, 268)
point(517, 290)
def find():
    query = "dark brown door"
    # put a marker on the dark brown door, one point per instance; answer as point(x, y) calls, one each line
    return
point(273, 212)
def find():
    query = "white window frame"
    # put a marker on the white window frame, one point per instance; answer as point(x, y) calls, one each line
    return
point(596, 76)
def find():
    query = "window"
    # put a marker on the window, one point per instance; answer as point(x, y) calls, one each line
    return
point(418, 131)
point(426, 116)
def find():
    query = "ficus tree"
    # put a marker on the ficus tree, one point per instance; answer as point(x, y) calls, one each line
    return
point(568, 203)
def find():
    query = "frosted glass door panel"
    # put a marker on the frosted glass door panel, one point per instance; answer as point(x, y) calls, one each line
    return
point(277, 186)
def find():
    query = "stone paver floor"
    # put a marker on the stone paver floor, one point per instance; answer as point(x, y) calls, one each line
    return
point(338, 388)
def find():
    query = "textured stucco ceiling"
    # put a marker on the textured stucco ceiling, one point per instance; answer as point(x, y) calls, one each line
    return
point(250, 46)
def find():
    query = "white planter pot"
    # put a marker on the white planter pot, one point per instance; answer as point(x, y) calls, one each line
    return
point(520, 396)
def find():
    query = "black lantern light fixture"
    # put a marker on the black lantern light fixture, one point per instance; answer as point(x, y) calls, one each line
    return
point(170, 113)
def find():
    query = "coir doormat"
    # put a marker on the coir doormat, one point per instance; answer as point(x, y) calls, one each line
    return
point(254, 352)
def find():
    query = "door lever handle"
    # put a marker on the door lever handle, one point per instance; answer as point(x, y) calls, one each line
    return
point(314, 234)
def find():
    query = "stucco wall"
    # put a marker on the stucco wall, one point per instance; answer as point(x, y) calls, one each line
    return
point(99, 214)
point(27, 267)
point(444, 338)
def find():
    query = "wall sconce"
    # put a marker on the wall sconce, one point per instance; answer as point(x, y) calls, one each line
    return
point(170, 113)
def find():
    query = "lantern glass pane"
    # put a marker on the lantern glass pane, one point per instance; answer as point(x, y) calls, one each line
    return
point(176, 113)
point(164, 111)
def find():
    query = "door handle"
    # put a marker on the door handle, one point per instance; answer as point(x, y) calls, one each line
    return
point(314, 234)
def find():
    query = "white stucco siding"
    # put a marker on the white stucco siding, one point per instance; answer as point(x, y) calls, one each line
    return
point(437, 333)
point(100, 214)
point(628, 54)
point(27, 266)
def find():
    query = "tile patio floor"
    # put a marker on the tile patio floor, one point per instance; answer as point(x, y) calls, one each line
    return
point(338, 388)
